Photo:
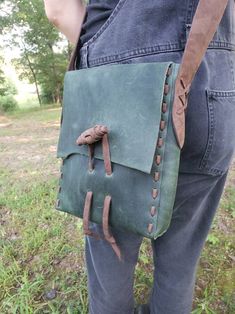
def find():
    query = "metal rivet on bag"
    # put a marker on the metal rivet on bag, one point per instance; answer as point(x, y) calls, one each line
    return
point(59, 189)
point(156, 176)
point(160, 142)
point(153, 211)
point(164, 107)
point(166, 89)
point(154, 193)
point(158, 160)
point(162, 125)
point(150, 228)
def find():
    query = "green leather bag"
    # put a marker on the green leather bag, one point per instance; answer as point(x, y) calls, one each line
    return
point(122, 127)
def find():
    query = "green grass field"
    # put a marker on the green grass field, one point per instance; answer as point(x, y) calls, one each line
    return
point(42, 267)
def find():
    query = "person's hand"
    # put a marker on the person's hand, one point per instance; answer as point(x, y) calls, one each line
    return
point(67, 16)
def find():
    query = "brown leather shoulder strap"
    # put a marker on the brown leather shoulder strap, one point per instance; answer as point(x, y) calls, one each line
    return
point(205, 22)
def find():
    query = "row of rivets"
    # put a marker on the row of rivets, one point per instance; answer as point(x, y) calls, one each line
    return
point(164, 110)
point(153, 210)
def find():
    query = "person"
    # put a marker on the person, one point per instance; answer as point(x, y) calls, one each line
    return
point(130, 31)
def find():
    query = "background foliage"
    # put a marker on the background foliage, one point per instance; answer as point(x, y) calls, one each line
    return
point(7, 91)
point(44, 52)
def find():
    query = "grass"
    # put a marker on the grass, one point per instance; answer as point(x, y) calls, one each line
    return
point(37, 113)
point(42, 264)
point(216, 274)
point(38, 247)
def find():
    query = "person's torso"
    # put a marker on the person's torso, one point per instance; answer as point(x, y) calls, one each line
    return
point(156, 31)
point(116, 29)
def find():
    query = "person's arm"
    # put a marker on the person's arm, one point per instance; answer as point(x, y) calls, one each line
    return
point(67, 16)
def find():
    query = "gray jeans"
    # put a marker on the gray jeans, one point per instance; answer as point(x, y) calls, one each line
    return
point(156, 31)
point(176, 253)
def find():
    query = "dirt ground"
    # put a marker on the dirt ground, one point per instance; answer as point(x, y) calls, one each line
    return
point(28, 145)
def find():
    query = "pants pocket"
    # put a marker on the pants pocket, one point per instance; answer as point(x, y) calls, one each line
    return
point(221, 133)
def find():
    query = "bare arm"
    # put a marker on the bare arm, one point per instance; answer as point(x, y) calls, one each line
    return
point(67, 16)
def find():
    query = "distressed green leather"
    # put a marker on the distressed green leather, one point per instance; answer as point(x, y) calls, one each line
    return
point(128, 99)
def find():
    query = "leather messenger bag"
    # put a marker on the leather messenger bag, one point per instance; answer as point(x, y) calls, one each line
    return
point(122, 129)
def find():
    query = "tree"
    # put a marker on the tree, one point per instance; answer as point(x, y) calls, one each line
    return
point(3, 87)
point(44, 54)
point(7, 91)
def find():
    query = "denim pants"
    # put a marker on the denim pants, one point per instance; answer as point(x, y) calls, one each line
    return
point(156, 31)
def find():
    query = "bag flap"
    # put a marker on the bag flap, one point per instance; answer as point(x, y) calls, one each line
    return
point(126, 98)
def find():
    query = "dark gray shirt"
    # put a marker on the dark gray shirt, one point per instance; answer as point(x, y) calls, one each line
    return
point(97, 12)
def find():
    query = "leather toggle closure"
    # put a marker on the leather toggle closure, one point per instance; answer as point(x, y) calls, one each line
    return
point(89, 137)
point(92, 135)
